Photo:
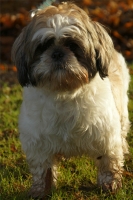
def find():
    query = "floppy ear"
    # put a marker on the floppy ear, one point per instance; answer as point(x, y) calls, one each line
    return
point(19, 58)
point(103, 49)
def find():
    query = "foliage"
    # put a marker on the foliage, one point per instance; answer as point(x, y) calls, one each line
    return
point(116, 16)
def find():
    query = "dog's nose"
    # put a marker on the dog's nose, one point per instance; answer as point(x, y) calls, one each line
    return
point(57, 55)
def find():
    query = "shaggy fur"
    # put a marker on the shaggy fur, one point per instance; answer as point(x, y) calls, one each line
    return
point(75, 95)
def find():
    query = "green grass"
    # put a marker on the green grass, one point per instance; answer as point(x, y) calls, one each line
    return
point(77, 179)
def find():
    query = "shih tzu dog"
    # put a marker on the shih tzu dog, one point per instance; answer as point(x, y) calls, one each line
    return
point(75, 96)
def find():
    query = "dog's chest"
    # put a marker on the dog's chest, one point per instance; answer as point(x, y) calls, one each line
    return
point(73, 125)
point(67, 118)
point(64, 119)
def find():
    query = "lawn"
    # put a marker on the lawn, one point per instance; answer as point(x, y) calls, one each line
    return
point(77, 179)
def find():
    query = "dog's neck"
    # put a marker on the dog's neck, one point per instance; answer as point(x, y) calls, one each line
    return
point(60, 95)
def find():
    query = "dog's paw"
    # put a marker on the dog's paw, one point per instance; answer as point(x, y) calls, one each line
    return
point(37, 192)
point(110, 181)
point(41, 187)
point(113, 186)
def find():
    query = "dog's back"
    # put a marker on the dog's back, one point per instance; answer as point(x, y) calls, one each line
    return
point(119, 79)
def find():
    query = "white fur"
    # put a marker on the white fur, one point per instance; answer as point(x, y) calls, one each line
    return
point(83, 119)
point(58, 26)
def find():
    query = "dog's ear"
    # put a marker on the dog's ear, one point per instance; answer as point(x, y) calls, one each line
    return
point(19, 58)
point(103, 49)
point(98, 43)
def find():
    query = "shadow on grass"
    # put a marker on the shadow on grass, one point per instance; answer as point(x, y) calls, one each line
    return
point(16, 196)
point(14, 186)
point(66, 189)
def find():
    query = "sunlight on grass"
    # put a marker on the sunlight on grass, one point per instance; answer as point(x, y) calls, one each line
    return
point(77, 176)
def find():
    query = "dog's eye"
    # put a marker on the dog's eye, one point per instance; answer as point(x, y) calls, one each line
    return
point(43, 47)
point(48, 43)
point(71, 45)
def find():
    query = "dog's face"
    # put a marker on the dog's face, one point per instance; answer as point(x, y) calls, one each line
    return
point(61, 49)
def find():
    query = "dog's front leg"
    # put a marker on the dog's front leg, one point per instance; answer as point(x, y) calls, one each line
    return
point(40, 169)
point(110, 171)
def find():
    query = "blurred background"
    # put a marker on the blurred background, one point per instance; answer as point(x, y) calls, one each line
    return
point(116, 15)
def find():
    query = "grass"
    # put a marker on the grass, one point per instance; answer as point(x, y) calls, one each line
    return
point(77, 179)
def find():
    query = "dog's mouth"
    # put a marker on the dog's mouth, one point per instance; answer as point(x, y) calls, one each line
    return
point(60, 65)
point(65, 79)
point(61, 76)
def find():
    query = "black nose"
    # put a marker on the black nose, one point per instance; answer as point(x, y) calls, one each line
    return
point(57, 55)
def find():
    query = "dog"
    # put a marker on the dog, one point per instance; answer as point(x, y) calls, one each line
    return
point(75, 96)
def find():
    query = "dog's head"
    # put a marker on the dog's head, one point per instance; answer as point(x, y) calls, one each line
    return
point(61, 49)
